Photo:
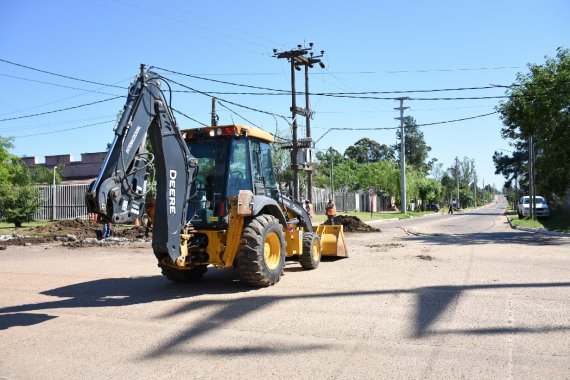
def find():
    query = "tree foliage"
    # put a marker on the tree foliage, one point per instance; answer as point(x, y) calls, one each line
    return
point(18, 195)
point(416, 149)
point(539, 105)
point(366, 150)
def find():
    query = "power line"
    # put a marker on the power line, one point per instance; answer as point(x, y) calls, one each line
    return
point(62, 109)
point(452, 121)
point(339, 94)
point(391, 128)
point(237, 114)
point(56, 84)
point(59, 75)
point(324, 73)
point(188, 117)
point(65, 130)
point(225, 100)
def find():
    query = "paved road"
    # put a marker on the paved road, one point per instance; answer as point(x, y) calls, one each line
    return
point(438, 297)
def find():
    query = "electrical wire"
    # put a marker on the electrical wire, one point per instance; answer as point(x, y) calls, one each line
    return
point(417, 125)
point(62, 109)
point(339, 94)
point(59, 75)
point(227, 101)
point(56, 85)
point(188, 117)
point(64, 130)
point(237, 114)
point(453, 121)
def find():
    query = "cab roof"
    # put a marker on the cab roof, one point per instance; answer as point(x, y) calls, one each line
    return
point(230, 130)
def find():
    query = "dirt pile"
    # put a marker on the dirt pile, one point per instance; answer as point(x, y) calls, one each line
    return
point(73, 231)
point(352, 224)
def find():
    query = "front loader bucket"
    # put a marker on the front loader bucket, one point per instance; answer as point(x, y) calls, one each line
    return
point(332, 240)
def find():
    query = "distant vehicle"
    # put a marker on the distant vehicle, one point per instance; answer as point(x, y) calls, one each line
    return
point(434, 207)
point(541, 210)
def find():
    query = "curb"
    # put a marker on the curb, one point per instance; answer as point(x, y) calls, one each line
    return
point(537, 230)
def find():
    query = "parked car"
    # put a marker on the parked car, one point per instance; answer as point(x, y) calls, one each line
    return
point(434, 207)
point(541, 210)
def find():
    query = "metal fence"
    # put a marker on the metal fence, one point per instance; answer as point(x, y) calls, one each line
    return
point(343, 201)
point(61, 202)
point(68, 202)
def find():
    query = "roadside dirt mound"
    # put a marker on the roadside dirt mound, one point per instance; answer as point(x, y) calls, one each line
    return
point(72, 231)
point(352, 224)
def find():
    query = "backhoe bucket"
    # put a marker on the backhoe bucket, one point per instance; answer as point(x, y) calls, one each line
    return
point(332, 240)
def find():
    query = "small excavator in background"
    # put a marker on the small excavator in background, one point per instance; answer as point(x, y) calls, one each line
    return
point(217, 202)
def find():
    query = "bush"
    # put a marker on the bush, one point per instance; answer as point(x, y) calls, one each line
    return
point(18, 203)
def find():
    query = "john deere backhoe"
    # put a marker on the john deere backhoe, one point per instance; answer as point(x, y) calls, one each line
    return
point(217, 202)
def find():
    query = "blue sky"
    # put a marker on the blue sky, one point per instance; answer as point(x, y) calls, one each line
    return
point(369, 46)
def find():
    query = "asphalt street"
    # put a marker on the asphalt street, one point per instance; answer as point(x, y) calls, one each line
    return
point(444, 296)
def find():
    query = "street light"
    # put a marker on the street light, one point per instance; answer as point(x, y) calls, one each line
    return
point(53, 195)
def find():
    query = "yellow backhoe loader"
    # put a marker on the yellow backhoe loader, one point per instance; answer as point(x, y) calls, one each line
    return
point(217, 202)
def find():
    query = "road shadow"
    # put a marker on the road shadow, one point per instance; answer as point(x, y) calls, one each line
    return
point(124, 291)
point(478, 238)
point(22, 319)
point(431, 304)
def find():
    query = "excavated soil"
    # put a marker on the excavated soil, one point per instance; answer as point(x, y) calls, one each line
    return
point(352, 224)
point(80, 233)
point(73, 233)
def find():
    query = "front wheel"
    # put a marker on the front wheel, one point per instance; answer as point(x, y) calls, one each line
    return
point(311, 256)
point(261, 253)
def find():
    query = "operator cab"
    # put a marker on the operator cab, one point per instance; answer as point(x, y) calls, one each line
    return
point(230, 158)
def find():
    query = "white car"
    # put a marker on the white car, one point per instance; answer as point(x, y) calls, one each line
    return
point(541, 210)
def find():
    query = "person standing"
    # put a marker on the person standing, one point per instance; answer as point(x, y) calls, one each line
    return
point(309, 208)
point(106, 231)
point(330, 211)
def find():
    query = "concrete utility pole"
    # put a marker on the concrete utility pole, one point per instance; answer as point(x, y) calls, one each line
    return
point(332, 184)
point(402, 154)
point(457, 177)
point(298, 57)
point(531, 175)
point(214, 114)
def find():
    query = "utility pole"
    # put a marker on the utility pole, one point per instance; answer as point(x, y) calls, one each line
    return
point(402, 154)
point(298, 57)
point(332, 184)
point(214, 115)
point(475, 187)
point(531, 174)
point(457, 178)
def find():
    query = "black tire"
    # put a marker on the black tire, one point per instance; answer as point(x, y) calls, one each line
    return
point(261, 252)
point(311, 256)
point(184, 276)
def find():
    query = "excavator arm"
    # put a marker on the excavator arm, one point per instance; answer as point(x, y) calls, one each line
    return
point(119, 192)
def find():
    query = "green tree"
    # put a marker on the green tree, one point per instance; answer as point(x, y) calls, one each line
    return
point(322, 167)
point(416, 150)
point(18, 195)
point(41, 174)
point(512, 167)
point(383, 176)
point(366, 150)
point(6, 159)
point(538, 105)
point(430, 191)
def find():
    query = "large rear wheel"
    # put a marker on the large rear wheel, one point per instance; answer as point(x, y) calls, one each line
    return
point(261, 254)
point(311, 256)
